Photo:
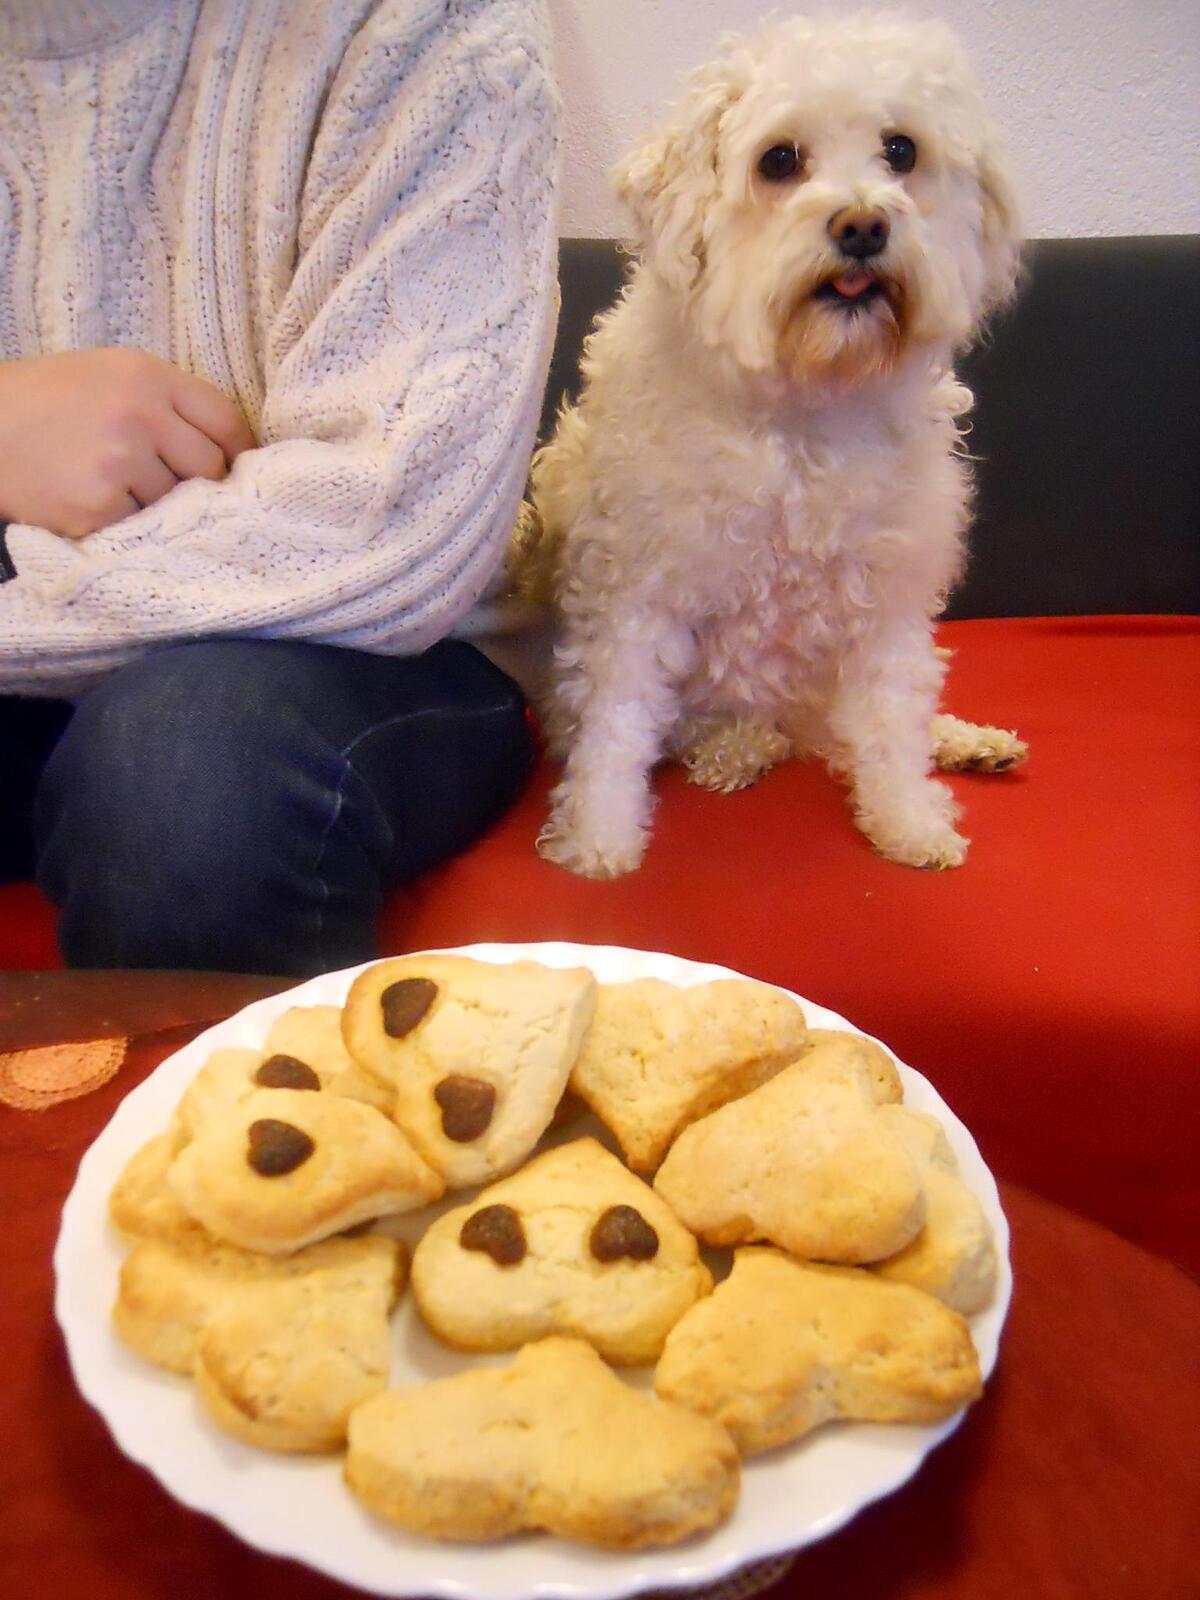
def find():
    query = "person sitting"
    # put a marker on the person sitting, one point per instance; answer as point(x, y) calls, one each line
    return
point(277, 302)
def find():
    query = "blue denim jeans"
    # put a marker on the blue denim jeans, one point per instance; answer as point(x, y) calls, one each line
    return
point(245, 805)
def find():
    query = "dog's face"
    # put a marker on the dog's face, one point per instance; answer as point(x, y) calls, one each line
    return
point(831, 199)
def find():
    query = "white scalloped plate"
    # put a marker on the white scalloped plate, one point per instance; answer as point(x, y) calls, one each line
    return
point(299, 1507)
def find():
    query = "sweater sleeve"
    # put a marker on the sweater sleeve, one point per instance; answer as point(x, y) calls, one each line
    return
point(403, 381)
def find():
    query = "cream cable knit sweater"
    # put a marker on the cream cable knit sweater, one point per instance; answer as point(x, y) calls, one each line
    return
point(341, 213)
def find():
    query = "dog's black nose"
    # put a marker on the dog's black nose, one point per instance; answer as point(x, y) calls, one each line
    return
point(859, 231)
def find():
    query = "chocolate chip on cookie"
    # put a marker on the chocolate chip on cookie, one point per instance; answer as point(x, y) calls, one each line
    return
point(405, 1003)
point(467, 1105)
point(277, 1148)
point(286, 1072)
point(496, 1230)
point(623, 1231)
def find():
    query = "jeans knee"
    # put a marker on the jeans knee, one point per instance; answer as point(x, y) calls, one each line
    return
point(242, 805)
point(181, 819)
point(150, 757)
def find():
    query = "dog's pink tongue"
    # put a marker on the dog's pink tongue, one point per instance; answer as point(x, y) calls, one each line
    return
point(852, 283)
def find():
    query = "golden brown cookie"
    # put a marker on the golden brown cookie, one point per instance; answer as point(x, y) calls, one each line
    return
point(806, 1162)
point(553, 1441)
point(225, 1078)
point(954, 1255)
point(141, 1206)
point(286, 1167)
point(477, 1053)
point(782, 1346)
point(825, 1046)
point(656, 1056)
point(303, 1050)
point(571, 1244)
point(282, 1350)
point(313, 1035)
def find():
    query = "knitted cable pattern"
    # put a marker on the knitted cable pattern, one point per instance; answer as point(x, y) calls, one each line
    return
point(342, 215)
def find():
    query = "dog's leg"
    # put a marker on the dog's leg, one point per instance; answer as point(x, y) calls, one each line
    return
point(729, 754)
point(967, 747)
point(880, 722)
point(627, 700)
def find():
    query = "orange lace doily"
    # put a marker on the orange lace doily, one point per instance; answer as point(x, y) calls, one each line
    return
point(33, 1080)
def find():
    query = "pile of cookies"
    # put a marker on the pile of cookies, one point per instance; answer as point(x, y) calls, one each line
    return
point(262, 1265)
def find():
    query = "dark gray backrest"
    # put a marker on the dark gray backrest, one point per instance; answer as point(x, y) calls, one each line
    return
point(1086, 428)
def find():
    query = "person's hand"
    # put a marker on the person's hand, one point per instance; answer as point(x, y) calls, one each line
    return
point(89, 436)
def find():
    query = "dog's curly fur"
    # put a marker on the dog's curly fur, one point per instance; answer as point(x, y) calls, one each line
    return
point(757, 507)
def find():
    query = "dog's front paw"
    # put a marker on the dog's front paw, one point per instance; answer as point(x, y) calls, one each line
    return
point(597, 837)
point(919, 833)
point(589, 857)
point(937, 848)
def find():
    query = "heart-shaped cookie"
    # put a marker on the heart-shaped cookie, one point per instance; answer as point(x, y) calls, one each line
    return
point(286, 1167)
point(656, 1056)
point(782, 1346)
point(282, 1350)
point(476, 1053)
point(807, 1161)
point(571, 1244)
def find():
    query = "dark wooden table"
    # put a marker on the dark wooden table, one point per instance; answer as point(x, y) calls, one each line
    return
point(1075, 1478)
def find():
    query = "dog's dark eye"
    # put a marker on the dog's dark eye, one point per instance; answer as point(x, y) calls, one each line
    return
point(899, 151)
point(780, 162)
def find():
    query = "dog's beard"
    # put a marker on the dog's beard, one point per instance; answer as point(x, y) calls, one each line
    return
point(845, 339)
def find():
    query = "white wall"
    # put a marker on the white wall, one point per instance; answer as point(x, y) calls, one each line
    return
point(1100, 99)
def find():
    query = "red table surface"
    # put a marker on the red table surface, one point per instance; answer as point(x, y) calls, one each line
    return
point(1074, 1479)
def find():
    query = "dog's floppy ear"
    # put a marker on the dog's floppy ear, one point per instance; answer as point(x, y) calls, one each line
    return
point(1002, 235)
point(670, 182)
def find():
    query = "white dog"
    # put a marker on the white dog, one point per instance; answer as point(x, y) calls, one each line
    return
point(757, 507)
